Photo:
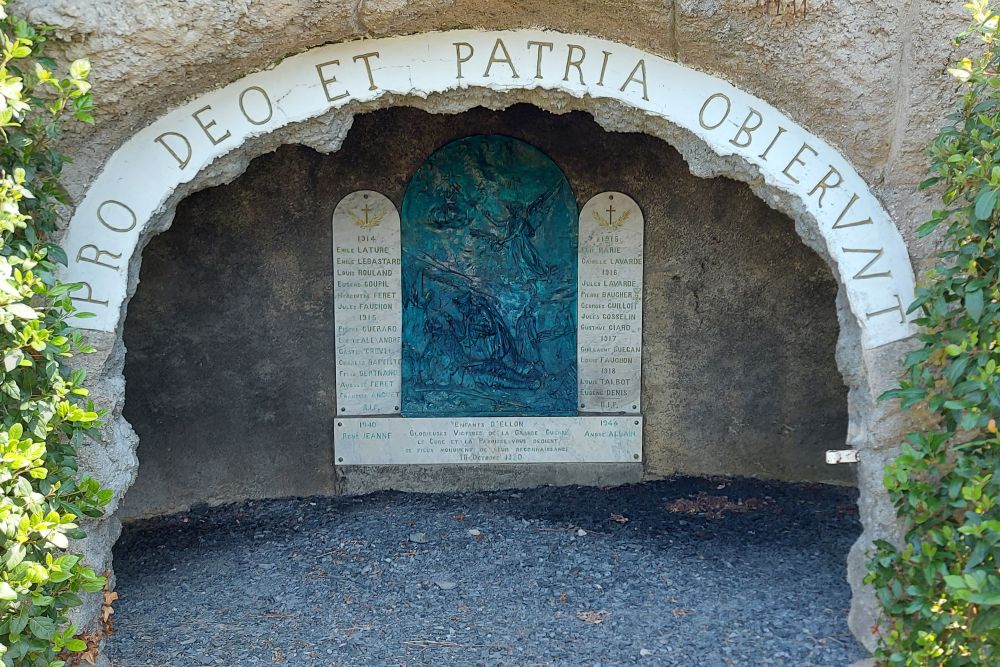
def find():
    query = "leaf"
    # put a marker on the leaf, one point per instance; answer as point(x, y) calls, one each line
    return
point(6, 592)
point(57, 539)
point(76, 645)
point(22, 311)
point(908, 395)
point(11, 389)
point(986, 599)
point(42, 627)
point(974, 304)
point(978, 554)
point(960, 74)
point(19, 622)
point(57, 254)
point(928, 227)
point(80, 69)
point(12, 359)
point(15, 554)
point(985, 202)
point(956, 369)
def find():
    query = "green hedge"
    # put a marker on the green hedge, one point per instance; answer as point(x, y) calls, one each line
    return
point(43, 406)
point(940, 590)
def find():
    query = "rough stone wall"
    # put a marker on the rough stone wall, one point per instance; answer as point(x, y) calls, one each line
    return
point(867, 77)
point(237, 399)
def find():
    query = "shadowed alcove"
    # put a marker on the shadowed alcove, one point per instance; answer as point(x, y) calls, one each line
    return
point(230, 334)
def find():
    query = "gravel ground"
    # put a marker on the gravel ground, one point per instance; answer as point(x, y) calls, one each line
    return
point(746, 573)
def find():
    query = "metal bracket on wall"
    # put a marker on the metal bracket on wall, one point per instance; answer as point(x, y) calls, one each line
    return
point(834, 456)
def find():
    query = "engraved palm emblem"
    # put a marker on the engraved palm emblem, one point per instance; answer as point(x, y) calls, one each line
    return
point(372, 216)
point(611, 221)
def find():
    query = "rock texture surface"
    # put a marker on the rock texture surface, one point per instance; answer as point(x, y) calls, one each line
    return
point(875, 89)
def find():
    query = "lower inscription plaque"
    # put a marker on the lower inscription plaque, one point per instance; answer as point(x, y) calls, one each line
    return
point(402, 440)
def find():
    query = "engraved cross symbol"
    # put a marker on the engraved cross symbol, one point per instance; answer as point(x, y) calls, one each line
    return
point(367, 209)
point(611, 213)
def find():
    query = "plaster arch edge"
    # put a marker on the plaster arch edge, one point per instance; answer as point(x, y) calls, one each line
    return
point(860, 241)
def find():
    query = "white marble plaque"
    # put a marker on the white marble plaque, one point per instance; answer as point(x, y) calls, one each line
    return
point(367, 304)
point(401, 440)
point(609, 306)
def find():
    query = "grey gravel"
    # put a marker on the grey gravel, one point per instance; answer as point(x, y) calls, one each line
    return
point(444, 584)
point(551, 578)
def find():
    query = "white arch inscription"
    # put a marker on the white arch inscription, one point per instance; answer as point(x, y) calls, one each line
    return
point(865, 245)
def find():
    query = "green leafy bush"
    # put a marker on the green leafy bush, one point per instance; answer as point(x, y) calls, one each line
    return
point(940, 591)
point(43, 406)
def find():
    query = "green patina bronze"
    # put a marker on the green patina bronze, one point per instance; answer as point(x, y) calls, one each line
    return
point(489, 271)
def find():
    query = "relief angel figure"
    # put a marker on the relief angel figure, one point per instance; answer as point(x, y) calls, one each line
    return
point(519, 226)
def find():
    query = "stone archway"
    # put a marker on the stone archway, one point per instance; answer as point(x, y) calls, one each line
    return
point(312, 97)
